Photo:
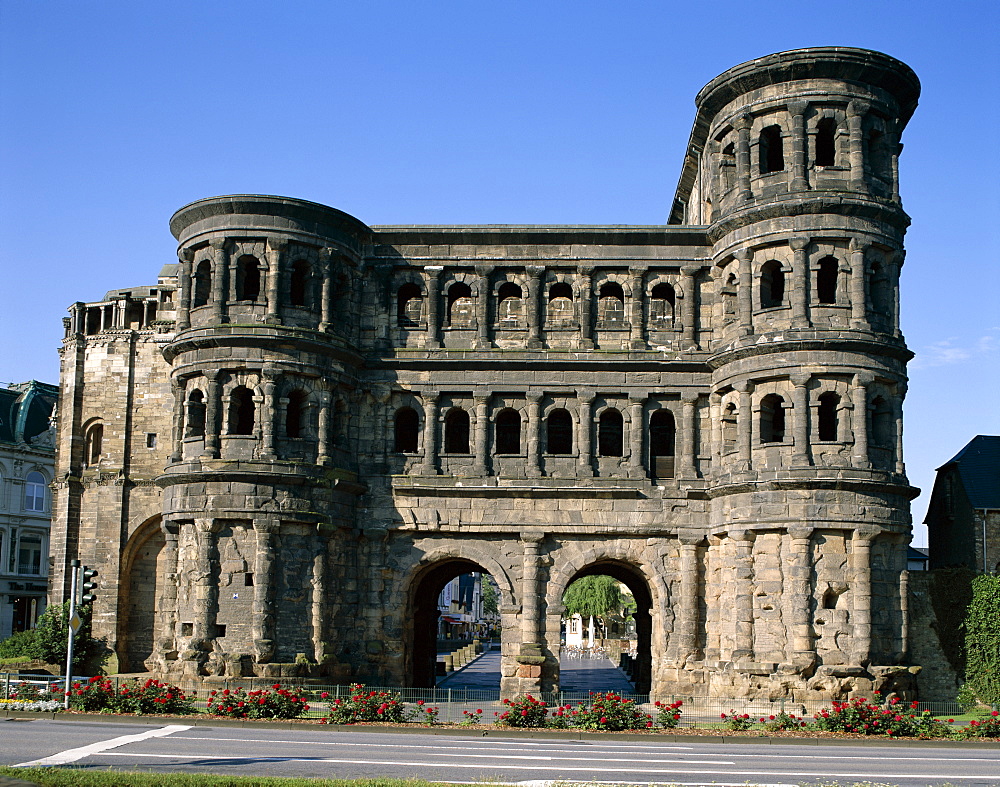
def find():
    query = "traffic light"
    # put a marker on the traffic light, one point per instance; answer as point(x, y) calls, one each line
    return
point(88, 586)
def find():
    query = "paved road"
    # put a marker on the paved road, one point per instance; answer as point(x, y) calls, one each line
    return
point(447, 756)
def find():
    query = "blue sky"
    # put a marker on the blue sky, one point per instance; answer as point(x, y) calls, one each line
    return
point(114, 114)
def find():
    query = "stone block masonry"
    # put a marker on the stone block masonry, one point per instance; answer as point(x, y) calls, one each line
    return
point(280, 453)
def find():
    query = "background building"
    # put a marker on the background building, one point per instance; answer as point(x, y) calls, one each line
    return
point(27, 461)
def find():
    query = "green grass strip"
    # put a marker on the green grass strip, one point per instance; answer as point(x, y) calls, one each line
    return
point(78, 777)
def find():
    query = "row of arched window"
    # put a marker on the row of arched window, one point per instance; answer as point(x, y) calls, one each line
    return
point(241, 416)
point(250, 273)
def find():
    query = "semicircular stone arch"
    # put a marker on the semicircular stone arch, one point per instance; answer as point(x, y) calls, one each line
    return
point(142, 574)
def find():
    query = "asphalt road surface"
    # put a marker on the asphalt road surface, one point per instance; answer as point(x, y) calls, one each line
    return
point(473, 757)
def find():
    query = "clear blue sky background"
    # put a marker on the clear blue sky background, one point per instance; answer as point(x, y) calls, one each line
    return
point(114, 114)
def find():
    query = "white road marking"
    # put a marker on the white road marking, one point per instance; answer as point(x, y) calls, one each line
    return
point(462, 743)
point(72, 755)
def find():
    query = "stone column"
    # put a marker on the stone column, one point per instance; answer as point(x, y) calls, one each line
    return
point(636, 428)
point(797, 110)
point(688, 466)
point(895, 263)
point(326, 258)
point(318, 600)
point(690, 306)
point(267, 416)
point(275, 257)
point(856, 111)
point(166, 605)
point(584, 458)
point(859, 419)
point(323, 450)
point(744, 293)
point(742, 126)
point(687, 606)
point(263, 611)
point(584, 273)
point(743, 571)
point(177, 438)
point(534, 305)
point(861, 591)
point(482, 432)
point(429, 465)
point(744, 426)
point(800, 282)
point(715, 413)
point(897, 413)
point(530, 658)
point(532, 464)
point(213, 404)
point(220, 267)
point(432, 281)
point(637, 322)
point(483, 307)
point(800, 412)
point(185, 257)
point(896, 148)
point(800, 649)
point(859, 305)
point(206, 586)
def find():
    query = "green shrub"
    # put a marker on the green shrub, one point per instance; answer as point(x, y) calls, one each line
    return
point(988, 726)
point(668, 714)
point(364, 706)
point(523, 712)
point(982, 642)
point(736, 721)
point(19, 646)
point(870, 717)
point(611, 712)
point(100, 695)
point(778, 722)
point(276, 703)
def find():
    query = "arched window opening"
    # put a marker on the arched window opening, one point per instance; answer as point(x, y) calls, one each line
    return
point(826, 280)
point(772, 156)
point(729, 297)
point(727, 166)
point(772, 419)
point(661, 306)
point(729, 428)
point(93, 321)
point(456, 431)
point(409, 305)
point(662, 436)
point(826, 143)
point(509, 308)
point(878, 154)
point(878, 291)
point(461, 309)
point(338, 425)
point(559, 432)
point(610, 433)
point(611, 304)
point(194, 421)
point(829, 404)
point(406, 430)
point(560, 311)
point(883, 433)
point(202, 283)
point(241, 411)
point(298, 285)
point(247, 278)
point(772, 285)
point(34, 491)
point(295, 412)
point(508, 432)
point(93, 445)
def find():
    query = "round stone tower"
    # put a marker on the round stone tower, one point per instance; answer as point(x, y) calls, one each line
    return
point(798, 182)
point(264, 372)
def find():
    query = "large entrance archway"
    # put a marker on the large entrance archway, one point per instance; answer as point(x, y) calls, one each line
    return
point(632, 578)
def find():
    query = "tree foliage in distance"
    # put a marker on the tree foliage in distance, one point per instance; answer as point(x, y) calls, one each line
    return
point(982, 641)
point(490, 605)
point(594, 596)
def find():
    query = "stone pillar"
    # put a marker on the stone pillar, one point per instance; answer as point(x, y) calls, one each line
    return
point(530, 658)
point(534, 305)
point(895, 263)
point(166, 605)
point(637, 322)
point(323, 451)
point(326, 258)
point(690, 306)
point(432, 281)
point(687, 606)
point(482, 432)
point(800, 282)
point(275, 257)
point(856, 111)
point(636, 428)
point(800, 649)
point(185, 257)
point(263, 612)
point(206, 586)
point(797, 109)
point(861, 591)
point(742, 125)
point(800, 413)
point(483, 307)
point(897, 413)
point(220, 267)
point(744, 426)
point(744, 293)
point(532, 464)
point(267, 411)
point(743, 569)
point(213, 404)
point(715, 414)
point(429, 465)
point(318, 598)
point(859, 303)
point(896, 148)
point(584, 458)
point(688, 465)
point(859, 419)
point(177, 437)
point(584, 272)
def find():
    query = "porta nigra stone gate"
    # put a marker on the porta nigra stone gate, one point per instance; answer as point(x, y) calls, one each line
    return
point(278, 454)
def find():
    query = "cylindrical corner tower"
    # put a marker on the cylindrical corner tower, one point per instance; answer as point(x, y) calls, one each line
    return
point(799, 184)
